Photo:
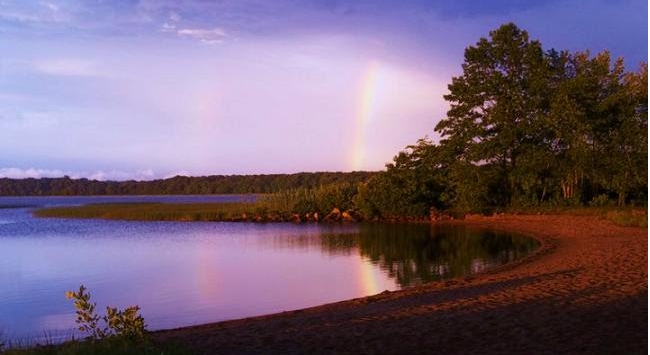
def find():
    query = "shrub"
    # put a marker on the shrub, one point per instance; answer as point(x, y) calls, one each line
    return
point(87, 318)
point(127, 323)
point(601, 200)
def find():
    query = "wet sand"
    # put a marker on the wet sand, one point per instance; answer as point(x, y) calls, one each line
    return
point(585, 291)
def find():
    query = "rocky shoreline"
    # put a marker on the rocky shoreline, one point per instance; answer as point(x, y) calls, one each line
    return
point(338, 215)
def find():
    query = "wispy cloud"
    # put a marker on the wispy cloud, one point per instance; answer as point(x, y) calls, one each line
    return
point(168, 27)
point(18, 173)
point(210, 36)
point(174, 17)
point(69, 67)
point(33, 13)
point(49, 5)
point(117, 175)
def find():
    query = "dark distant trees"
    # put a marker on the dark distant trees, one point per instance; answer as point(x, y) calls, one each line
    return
point(216, 184)
point(526, 127)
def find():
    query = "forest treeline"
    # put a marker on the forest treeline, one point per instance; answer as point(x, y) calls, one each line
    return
point(215, 184)
point(526, 127)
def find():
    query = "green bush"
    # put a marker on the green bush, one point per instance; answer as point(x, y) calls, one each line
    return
point(119, 332)
point(322, 199)
point(127, 323)
point(87, 319)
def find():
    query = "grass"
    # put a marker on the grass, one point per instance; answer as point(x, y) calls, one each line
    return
point(291, 205)
point(628, 218)
point(263, 211)
point(157, 211)
point(108, 346)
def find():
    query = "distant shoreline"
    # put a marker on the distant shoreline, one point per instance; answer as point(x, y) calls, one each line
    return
point(193, 212)
point(584, 289)
point(259, 213)
point(178, 185)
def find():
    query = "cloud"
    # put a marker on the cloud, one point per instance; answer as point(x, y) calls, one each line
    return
point(20, 17)
point(147, 174)
point(49, 5)
point(210, 36)
point(34, 13)
point(17, 173)
point(174, 17)
point(167, 27)
point(114, 175)
point(68, 67)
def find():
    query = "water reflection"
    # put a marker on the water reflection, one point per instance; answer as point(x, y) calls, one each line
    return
point(189, 273)
point(417, 253)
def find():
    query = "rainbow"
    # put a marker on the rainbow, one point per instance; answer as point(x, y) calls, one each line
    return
point(369, 278)
point(207, 274)
point(365, 103)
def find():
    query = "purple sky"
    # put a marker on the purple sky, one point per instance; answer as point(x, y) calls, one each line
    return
point(119, 89)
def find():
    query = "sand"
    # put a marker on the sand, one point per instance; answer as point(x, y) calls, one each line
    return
point(585, 291)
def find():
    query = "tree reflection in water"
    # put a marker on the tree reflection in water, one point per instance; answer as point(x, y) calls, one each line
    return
point(415, 253)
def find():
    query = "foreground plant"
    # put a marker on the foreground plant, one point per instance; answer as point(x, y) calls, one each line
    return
point(119, 332)
point(127, 323)
point(87, 319)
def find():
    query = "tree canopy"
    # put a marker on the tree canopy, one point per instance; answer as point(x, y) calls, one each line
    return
point(526, 127)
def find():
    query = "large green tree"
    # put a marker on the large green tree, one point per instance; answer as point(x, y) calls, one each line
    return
point(495, 106)
point(528, 126)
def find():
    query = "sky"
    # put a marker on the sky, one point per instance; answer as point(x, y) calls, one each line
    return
point(145, 89)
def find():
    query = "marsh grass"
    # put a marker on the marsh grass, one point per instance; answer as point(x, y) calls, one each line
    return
point(281, 206)
point(154, 211)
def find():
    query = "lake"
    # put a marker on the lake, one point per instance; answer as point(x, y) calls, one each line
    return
point(184, 273)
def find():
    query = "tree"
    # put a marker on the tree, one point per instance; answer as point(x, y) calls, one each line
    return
point(627, 140)
point(415, 181)
point(495, 104)
point(528, 127)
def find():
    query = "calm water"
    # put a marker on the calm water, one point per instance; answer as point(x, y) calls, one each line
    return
point(191, 273)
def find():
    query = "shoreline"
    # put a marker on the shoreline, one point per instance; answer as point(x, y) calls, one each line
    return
point(251, 212)
point(583, 290)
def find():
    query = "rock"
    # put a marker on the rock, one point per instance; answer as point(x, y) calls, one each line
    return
point(316, 216)
point(348, 217)
point(433, 214)
point(333, 216)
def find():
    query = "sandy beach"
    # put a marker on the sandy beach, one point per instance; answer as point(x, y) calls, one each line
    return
point(585, 291)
